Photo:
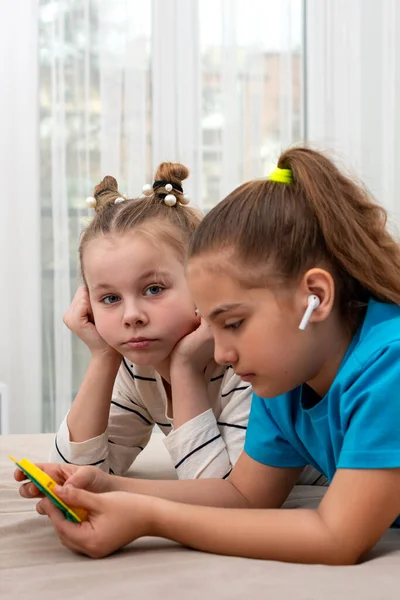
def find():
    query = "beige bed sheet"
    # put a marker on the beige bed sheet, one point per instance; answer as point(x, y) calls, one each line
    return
point(34, 565)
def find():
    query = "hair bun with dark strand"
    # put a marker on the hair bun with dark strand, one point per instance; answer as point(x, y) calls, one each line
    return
point(173, 172)
point(167, 184)
point(105, 193)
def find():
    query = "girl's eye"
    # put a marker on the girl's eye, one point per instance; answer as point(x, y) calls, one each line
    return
point(110, 299)
point(234, 325)
point(153, 290)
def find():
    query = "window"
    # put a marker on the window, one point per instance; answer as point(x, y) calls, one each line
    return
point(124, 84)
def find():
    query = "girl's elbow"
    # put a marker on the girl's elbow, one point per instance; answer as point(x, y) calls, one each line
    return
point(338, 555)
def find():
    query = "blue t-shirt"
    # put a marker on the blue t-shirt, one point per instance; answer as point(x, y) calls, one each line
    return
point(356, 425)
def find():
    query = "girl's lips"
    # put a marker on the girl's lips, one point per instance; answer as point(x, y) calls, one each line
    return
point(139, 344)
point(246, 376)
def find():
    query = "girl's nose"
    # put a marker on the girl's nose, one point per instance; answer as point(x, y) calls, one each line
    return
point(134, 316)
point(224, 354)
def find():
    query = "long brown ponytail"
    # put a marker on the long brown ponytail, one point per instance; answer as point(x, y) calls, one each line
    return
point(322, 216)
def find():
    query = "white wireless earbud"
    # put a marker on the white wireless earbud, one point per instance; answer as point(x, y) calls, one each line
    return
point(313, 303)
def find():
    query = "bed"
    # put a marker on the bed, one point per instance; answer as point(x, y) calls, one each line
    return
point(33, 563)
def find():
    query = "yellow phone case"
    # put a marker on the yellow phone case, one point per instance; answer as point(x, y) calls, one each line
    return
point(46, 485)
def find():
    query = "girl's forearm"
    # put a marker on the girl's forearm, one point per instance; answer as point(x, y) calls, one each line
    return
point(189, 395)
point(90, 410)
point(298, 535)
point(206, 492)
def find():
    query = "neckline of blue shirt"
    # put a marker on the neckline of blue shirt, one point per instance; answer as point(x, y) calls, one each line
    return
point(319, 409)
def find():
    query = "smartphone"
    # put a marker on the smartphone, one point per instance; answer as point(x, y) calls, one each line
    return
point(46, 485)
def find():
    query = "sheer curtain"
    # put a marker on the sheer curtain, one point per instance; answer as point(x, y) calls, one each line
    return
point(94, 100)
point(20, 317)
point(130, 83)
point(123, 85)
point(120, 86)
point(353, 89)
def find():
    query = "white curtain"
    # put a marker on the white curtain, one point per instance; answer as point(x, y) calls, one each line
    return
point(123, 85)
point(120, 86)
point(94, 64)
point(134, 83)
point(353, 89)
point(176, 84)
point(20, 297)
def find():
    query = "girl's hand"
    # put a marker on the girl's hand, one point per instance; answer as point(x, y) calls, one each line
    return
point(88, 478)
point(113, 520)
point(79, 319)
point(195, 350)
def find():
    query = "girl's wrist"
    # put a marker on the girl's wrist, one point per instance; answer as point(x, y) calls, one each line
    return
point(184, 366)
point(119, 483)
point(184, 375)
point(155, 511)
point(106, 358)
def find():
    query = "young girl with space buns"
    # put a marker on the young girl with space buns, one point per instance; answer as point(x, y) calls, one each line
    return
point(151, 354)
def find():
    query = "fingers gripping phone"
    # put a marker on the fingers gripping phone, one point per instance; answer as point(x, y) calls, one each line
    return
point(46, 485)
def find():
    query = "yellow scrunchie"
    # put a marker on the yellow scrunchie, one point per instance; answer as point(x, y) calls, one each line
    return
point(281, 175)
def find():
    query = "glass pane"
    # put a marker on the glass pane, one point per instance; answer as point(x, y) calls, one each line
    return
point(252, 57)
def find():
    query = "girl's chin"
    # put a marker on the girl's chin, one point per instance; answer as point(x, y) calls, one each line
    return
point(146, 359)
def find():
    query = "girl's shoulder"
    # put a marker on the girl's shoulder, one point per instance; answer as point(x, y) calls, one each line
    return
point(379, 334)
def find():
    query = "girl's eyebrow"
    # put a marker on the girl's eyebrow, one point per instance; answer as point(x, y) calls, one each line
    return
point(223, 308)
point(155, 274)
point(101, 286)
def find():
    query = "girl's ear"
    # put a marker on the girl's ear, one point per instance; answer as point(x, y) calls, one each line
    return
point(317, 283)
